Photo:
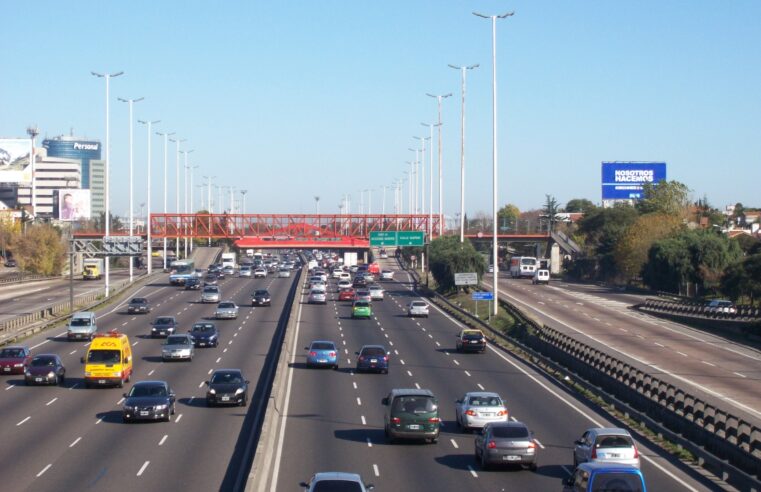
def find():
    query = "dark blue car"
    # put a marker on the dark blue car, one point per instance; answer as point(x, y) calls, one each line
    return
point(590, 477)
point(372, 358)
point(322, 353)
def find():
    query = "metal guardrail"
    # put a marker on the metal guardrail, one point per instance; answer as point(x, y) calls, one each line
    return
point(745, 314)
point(20, 278)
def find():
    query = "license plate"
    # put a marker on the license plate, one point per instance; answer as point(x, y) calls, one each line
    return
point(101, 381)
point(225, 398)
point(7, 369)
point(474, 341)
point(374, 361)
point(511, 458)
point(413, 427)
point(143, 413)
point(201, 344)
point(38, 380)
point(322, 361)
point(614, 455)
point(487, 415)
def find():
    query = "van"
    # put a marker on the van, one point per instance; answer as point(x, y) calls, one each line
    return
point(108, 361)
point(589, 477)
point(541, 277)
point(411, 414)
point(82, 326)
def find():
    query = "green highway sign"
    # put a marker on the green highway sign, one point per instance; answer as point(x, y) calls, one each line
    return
point(397, 238)
point(383, 238)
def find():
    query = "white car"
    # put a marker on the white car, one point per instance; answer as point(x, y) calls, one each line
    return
point(376, 292)
point(319, 287)
point(337, 273)
point(344, 284)
point(417, 308)
point(345, 276)
point(244, 271)
point(260, 272)
point(283, 273)
point(478, 408)
point(387, 275)
point(541, 277)
point(317, 297)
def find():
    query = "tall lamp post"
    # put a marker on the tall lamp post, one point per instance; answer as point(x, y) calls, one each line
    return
point(495, 252)
point(463, 70)
point(33, 131)
point(191, 203)
point(430, 181)
point(422, 172)
point(166, 181)
point(130, 102)
point(149, 124)
point(177, 141)
point(441, 172)
point(108, 77)
point(185, 198)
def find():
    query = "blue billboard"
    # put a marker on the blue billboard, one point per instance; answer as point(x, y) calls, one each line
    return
point(624, 180)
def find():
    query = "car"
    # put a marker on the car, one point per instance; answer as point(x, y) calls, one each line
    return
point(411, 414)
point(321, 273)
point(228, 270)
point(210, 293)
point(372, 358)
point(10, 263)
point(359, 282)
point(45, 369)
point(606, 445)
point(220, 273)
point(211, 279)
point(362, 295)
point(204, 334)
point(178, 347)
point(506, 443)
point(261, 297)
point(376, 292)
point(417, 308)
point(260, 272)
point(361, 309)
point(353, 269)
point(227, 387)
point(193, 283)
point(283, 273)
point(346, 294)
point(163, 326)
point(345, 276)
point(478, 408)
point(317, 296)
point(140, 305)
point(387, 275)
point(226, 310)
point(383, 255)
point(369, 277)
point(149, 400)
point(592, 477)
point(82, 326)
point(336, 274)
point(245, 271)
point(721, 306)
point(344, 284)
point(541, 277)
point(322, 353)
point(336, 481)
point(108, 360)
point(318, 286)
point(469, 340)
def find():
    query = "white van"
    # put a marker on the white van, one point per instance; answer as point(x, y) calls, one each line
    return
point(541, 277)
point(82, 326)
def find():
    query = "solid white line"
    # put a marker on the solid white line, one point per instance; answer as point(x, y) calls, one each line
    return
point(472, 471)
point(359, 401)
point(364, 422)
point(454, 443)
point(467, 373)
point(177, 420)
point(23, 421)
point(481, 387)
point(163, 439)
point(75, 442)
point(44, 470)
point(142, 468)
point(741, 375)
point(51, 401)
point(375, 470)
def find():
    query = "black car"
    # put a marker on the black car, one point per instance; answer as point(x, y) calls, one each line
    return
point(261, 297)
point(139, 305)
point(163, 326)
point(193, 283)
point(471, 341)
point(10, 263)
point(149, 400)
point(227, 387)
point(359, 282)
point(211, 279)
point(45, 369)
point(220, 273)
point(204, 335)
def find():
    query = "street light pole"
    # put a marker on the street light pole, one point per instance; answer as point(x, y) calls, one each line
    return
point(130, 102)
point(243, 206)
point(166, 181)
point(192, 204)
point(185, 198)
point(495, 252)
point(430, 181)
point(108, 77)
point(177, 141)
point(463, 70)
point(441, 174)
point(149, 124)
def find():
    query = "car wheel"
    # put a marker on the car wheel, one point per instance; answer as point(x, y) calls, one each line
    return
point(244, 401)
point(335, 367)
point(121, 383)
point(61, 380)
point(533, 466)
point(167, 418)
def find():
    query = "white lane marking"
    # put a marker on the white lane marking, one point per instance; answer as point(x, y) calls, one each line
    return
point(9, 387)
point(566, 469)
point(359, 402)
point(39, 344)
point(472, 471)
point(454, 443)
point(682, 354)
point(72, 352)
point(230, 342)
point(51, 401)
point(177, 420)
point(136, 343)
point(163, 439)
point(708, 363)
point(417, 386)
point(402, 361)
point(75, 442)
point(346, 351)
point(375, 470)
point(481, 387)
point(355, 384)
point(120, 401)
point(235, 334)
point(741, 375)
point(658, 344)
point(23, 421)
point(455, 361)
point(438, 344)
point(219, 359)
point(201, 384)
point(396, 352)
point(467, 373)
point(44, 470)
point(99, 421)
point(142, 468)
point(538, 443)
point(364, 422)
point(225, 350)
point(369, 443)
point(409, 373)
point(152, 371)
point(391, 343)
point(430, 336)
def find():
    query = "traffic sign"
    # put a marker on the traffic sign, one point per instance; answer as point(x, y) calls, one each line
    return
point(383, 238)
point(482, 296)
point(470, 278)
point(410, 238)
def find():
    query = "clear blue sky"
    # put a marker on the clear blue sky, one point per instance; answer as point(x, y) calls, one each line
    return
point(295, 99)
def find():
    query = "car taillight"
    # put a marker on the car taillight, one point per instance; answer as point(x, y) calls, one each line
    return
point(492, 445)
point(472, 413)
point(385, 358)
point(396, 420)
point(332, 354)
point(532, 445)
point(594, 453)
point(361, 358)
point(636, 452)
point(313, 354)
point(434, 420)
point(502, 413)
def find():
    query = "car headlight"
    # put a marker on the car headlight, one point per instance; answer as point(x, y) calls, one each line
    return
point(51, 374)
point(154, 329)
point(160, 407)
point(212, 391)
point(117, 374)
point(88, 374)
point(239, 391)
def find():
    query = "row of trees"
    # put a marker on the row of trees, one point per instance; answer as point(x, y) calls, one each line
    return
point(37, 248)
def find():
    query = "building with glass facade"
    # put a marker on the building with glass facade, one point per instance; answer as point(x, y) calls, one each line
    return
point(75, 148)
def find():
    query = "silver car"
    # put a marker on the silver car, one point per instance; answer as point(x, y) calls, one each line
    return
point(226, 310)
point(336, 481)
point(376, 292)
point(210, 293)
point(260, 272)
point(478, 408)
point(284, 273)
point(245, 271)
point(178, 347)
point(317, 297)
point(606, 445)
point(417, 308)
point(387, 275)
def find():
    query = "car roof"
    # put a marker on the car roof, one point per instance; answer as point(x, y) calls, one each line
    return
point(150, 383)
point(227, 370)
point(337, 476)
point(372, 346)
point(471, 331)
point(609, 431)
point(508, 423)
point(411, 392)
point(484, 394)
point(322, 341)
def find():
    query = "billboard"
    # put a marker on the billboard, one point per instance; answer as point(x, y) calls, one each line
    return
point(624, 180)
point(73, 204)
point(15, 160)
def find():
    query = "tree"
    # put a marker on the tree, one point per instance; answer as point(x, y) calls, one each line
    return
point(40, 250)
point(743, 279)
point(667, 197)
point(550, 210)
point(747, 243)
point(668, 265)
point(449, 256)
point(577, 205)
point(508, 215)
point(631, 250)
point(601, 229)
point(8, 229)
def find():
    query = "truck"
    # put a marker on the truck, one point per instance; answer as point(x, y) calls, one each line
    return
point(92, 268)
point(228, 259)
point(523, 266)
point(350, 259)
point(181, 271)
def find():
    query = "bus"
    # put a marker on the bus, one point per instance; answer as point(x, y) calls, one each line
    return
point(181, 270)
point(523, 266)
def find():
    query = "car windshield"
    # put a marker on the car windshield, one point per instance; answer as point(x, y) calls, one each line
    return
point(80, 322)
point(177, 340)
point(11, 353)
point(226, 305)
point(613, 442)
point(323, 346)
point(226, 378)
point(616, 482)
point(484, 401)
point(361, 304)
point(139, 300)
point(472, 336)
point(419, 304)
point(261, 293)
point(164, 321)
point(142, 390)
point(203, 328)
point(43, 362)
point(103, 356)
point(414, 404)
point(336, 486)
point(371, 351)
point(207, 290)
point(510, 432)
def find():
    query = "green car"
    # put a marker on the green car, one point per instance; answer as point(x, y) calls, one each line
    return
point(361, 309)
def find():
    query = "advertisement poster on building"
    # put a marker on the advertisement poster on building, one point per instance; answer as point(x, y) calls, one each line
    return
point(73, 204)
point(15, 164)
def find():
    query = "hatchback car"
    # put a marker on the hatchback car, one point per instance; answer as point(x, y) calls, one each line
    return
point(163, 326)
point(362, 295)
point(344, 284)
point(178, 347)
point(346, 294)
point(192, 283)
point(593, 477)
point(228, 270)
point(336, 481)
point(227, 387)
point(210, 293)
point(139, 305)
point(226, 310)
point(361, 309)
point(284, 273)
point(322, 353)
point(471, 341)
point(318, 285)
point(261, 297)
point(245, 271)
point(606, 445)
point(387, 275)
point(478, 408)
point(411, 414)
point(260, 272)
point(45, 369)
point(506, 443)
point(204, 335)
point(148, 400)
point(376, 292)
point(417, 308)
point(317, 297)
point(372, 358)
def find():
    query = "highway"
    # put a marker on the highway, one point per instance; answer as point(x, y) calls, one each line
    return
point(333, 419)
point(71, 438)
point(717, 369)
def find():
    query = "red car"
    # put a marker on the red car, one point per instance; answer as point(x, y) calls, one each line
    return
point(346, 295)
point(14, 360)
